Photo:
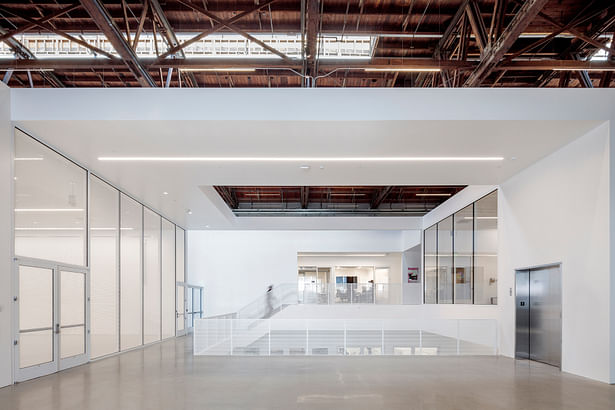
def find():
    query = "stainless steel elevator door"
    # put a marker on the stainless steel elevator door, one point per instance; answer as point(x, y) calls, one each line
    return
point(522, 300)
point(545, 315)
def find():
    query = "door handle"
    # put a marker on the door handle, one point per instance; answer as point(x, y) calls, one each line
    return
point(57, 328)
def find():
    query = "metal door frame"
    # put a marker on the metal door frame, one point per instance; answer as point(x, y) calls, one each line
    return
point(57, 363)
point(559, 266)
point(180, 316)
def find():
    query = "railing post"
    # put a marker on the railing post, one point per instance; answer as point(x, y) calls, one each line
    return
point(344, 338)
point(457, 337)
point(269, 336)
point(307, 338)
point(382, 340)
point(231, 320)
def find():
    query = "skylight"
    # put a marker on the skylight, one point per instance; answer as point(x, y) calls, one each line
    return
point(214, 45)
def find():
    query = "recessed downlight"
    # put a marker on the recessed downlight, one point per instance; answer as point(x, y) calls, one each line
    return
point(165, 193)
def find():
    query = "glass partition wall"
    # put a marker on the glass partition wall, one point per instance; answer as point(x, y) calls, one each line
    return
point(460, 256)
point(131, 254)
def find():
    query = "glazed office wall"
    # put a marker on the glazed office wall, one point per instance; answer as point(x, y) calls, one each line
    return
point(132, 260)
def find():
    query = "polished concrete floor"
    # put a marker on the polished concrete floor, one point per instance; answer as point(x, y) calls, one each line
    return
point(167, 376)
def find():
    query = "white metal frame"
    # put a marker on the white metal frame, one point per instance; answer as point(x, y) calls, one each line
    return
point(57, 363)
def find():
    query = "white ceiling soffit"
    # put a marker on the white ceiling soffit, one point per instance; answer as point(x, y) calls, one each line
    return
point(520, 143)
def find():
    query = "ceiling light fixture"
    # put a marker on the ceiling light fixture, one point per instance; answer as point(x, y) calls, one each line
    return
point(165, 193)
point(72, 228)
point(433, 194)
point(189, 212)
point(584, 69)
point(408, 70)
point(297, 159)
point(230, 69)
point(304, 166)
point(49, 210)
point(28, 159)
point(323, 255)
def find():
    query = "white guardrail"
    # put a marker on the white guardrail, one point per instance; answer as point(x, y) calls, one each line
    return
point(334, 337)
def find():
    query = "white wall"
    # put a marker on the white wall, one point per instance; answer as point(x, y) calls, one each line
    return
point(6, 236)
point(236, 266)
point(558, 211)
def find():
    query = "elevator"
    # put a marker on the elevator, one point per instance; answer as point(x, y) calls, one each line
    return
point(538, 298)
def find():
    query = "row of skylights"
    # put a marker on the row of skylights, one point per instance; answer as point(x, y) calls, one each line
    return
point(213, 45)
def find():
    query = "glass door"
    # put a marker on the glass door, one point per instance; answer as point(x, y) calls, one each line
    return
point(72, 316)
point(51, 308)
point(180, 310)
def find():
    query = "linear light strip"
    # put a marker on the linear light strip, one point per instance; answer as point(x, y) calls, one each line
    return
point(297, 159)
point(49, 210)
point(44, 228)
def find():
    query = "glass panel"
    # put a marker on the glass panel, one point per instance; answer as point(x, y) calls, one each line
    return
point(35, 348)
point(50, 204)
point(180, 239)
point(35, 298)
point(72, 298)
point(196, 300)
point(152, 276)
point(72, 313)
point(130, 273)
point(104, 277)
point(431, 267)
point(180, 307)
point(72, 341)
point(463, 254)
point(168, 279)
point(445, 260)
point(485, 248)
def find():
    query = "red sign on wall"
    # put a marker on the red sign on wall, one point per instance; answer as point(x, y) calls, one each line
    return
point(413, 275)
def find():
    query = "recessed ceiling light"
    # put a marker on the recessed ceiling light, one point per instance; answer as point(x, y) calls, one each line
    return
point(304, 166)
point(28, 159)
point(298, 159)
point(206, 226)
point(165, 193)
point(189, 212)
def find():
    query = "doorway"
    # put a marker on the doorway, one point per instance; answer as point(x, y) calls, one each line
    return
point(538, 297)
point(51, 317)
